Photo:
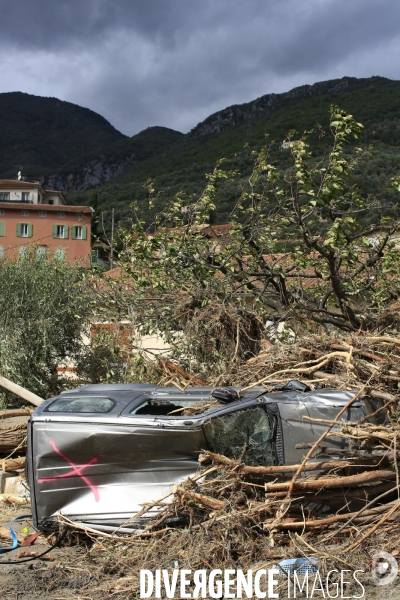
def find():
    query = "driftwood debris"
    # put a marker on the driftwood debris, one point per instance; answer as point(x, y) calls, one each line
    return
point(186, 379)
point(261, 472)
point(12, 438)
point(18, 390)
point(356, 351)
point(10, 499)
point(333, 482)
point(12, 464)
point(353, 517)
point(204, 500)
point(20, 412)
point(233, 499)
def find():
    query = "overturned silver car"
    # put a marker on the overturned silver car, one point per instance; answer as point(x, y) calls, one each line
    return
point(97, 453)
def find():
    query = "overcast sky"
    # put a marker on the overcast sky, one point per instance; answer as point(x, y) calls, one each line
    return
point(174, 62)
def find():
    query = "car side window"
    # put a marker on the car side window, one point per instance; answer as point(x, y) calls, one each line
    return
point(243, 434)
point(175, 406)
point(82, 404)
point(158, 407)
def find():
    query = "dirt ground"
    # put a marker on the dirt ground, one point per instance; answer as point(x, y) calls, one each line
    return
point(85, 570)
point(58, 578)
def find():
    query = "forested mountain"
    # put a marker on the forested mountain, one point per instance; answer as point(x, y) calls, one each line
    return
point(235, 132)
point(42, 134)
point(75, 149)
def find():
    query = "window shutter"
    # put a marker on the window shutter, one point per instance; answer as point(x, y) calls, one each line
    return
point(54, 231)
point(18, 229)
point(83, 232)
point(73, 232)
point(1, 229)
point(30, 230)
point(65, 232)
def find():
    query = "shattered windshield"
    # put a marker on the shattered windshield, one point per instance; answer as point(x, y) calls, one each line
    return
point(244, 435)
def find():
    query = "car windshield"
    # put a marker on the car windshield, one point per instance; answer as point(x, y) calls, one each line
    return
point(82, 404)
point(244, 435)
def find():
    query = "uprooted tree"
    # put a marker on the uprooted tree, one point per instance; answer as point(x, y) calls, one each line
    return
point(300, 249)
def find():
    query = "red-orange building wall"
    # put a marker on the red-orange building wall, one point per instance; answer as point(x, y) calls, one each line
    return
point(42, 229)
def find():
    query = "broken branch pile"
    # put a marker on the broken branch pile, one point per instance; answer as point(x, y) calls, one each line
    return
point(245, 496)
point(241, 515)
point(236, 515)
point(233, 511)
point(341, 363)
point(12, 438)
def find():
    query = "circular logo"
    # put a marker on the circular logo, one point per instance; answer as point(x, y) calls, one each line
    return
point(384, 568)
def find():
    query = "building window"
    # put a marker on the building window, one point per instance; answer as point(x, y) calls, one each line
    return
point(42, 213)
point(5, 196)
point(26, 196)
point(60, 215)
point(40, 251)
point(94, 258)
point(1, 212)
point(60, 232)
point(60, 253)
point(2, 228)
point(79, 216)
point(24, 230)
point(1, 251)
point(25, 213)
point(23, 251)
point(50, 201)
point(78, 232)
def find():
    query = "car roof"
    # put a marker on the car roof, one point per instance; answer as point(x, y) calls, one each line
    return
point(124, 393)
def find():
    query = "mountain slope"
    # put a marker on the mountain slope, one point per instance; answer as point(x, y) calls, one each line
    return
point(238, 114)
point(181, 168)
point(374, 101)
point(42, 134)
point(92, 170)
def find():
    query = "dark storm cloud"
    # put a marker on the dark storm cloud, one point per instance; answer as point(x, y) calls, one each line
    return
point(53, 24)
point(173, 62)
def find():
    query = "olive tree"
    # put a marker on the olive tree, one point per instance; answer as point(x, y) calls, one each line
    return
point(44, 307)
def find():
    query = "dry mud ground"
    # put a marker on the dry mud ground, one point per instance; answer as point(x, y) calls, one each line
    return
point(67, 576)
point(74, 573)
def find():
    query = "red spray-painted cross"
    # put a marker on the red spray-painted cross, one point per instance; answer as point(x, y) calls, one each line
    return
point(75, 471)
